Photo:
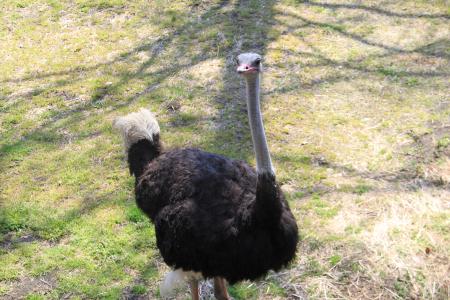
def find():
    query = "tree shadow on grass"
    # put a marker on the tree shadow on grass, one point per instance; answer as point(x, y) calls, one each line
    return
point(242, 38)
point(249, 22)
point(48, 133)
point(437, 49)
point(403, 180)
point(65, 117)
point(248, 33)
point(50, 227)
point(338, 28)
point(374, 9)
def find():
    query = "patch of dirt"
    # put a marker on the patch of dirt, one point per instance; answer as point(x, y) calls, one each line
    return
point(429, 164)
point(11, 239)
point(172, 105)
point(431, 146)
point(438, 48)
point(24, 286)
point(128, 294)
point(66, 95)
point(432, 154)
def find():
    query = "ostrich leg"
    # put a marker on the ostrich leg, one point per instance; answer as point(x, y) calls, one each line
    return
point(220, 289)
point(194, 289)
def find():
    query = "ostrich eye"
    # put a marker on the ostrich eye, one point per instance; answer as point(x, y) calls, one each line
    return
point(257, 61)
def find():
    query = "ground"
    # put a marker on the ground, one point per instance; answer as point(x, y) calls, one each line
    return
point(357, 112)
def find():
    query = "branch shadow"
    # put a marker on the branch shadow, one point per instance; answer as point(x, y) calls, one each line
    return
point(250, 22)
point(403, 180)
point(48, 133)
point(359, 38)
point(375, 9)
point(436, 49)
point(71, 115)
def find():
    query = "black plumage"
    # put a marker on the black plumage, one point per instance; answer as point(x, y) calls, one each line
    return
point(212, 214)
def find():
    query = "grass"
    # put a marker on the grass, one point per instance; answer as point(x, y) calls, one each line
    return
point(139, 290)
point(443, 142)
point(356, 111)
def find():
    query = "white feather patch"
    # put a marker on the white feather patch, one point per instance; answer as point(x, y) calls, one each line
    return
point(176, 280)
point(137, 126)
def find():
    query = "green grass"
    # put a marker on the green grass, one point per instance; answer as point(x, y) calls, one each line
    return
point(313, 268)
point(138, 289)
point(443, 142)
point(34, 297)
point(321, 208)
point(244, 291)
point(335, 259)
point(99, 4)
point(343, 89)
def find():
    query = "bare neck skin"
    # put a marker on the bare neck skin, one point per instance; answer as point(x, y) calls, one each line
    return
point(263, 161)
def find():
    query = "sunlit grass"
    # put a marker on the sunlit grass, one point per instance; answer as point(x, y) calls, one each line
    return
point(355, 107)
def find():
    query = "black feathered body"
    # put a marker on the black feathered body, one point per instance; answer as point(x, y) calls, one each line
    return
point(206, 215)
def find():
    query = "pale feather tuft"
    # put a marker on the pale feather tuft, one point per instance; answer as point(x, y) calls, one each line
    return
point(176, 280)
point(137, 126)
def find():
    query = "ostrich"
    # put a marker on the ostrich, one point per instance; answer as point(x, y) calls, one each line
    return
point(214, 217)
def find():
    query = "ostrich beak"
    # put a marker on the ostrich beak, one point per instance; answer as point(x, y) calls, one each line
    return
point(245, 69)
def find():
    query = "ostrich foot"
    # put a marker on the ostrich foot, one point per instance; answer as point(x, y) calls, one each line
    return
point(194, 289)
point(220, 289)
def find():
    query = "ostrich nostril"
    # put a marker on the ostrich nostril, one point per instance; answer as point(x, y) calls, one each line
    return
point(246, 67)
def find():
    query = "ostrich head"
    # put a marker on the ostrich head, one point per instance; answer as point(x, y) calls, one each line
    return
point(249, 64)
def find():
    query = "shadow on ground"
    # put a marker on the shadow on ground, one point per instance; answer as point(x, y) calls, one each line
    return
point(243, 26)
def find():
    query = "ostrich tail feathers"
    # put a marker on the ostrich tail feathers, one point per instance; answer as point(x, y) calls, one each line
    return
point(140, 133)
point(141, 125)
